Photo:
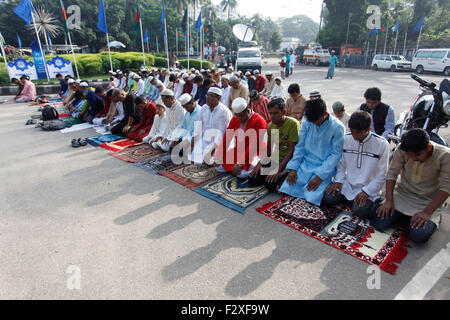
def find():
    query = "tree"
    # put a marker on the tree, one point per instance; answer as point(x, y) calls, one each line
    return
point(275, 40)
point(228, 5)
point(301, 27)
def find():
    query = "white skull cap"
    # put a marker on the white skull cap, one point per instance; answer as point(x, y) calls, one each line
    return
point(239, 105)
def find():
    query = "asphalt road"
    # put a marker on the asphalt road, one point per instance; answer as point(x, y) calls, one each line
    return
point(80, 224)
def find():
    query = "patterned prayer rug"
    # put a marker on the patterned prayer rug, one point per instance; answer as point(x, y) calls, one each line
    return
point(158, 164)
point(99, 140)
point(232, 192)
point(118, 145)
point(137, 153)
point(339, 228)
point(192, 176)
point(70, 121)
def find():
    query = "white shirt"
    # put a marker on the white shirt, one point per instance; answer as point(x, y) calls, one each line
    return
point(140, 89)
point(344, 120)
point(175, 116)
point(277, 92)
point(160, 128)
point(210, 133)
point(293, 60)
point(178, 89)
point(363, 166)
point(225, 95)
point(194, 90)
point(120, 112)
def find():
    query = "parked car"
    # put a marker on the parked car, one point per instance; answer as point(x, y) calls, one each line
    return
point(249, 59)
point(316, 56)
point(390, 62)
point(437, 60)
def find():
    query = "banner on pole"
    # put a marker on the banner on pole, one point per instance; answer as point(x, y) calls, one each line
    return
point(20, 67)
point(39, 60)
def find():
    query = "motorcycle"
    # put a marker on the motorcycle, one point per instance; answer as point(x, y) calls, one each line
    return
point(429, 111)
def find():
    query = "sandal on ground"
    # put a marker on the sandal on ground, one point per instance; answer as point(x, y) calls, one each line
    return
point(83, 142)
point(75, 143)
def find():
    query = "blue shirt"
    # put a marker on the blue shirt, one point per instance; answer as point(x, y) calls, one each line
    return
point(333, 61)
point(190, 118)
point(317, 154)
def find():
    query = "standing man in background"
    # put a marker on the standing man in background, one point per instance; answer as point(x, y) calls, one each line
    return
point(333, 63)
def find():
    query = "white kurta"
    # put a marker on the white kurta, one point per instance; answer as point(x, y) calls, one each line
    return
point(225, 95)
point(210, 134)
point(178, 89)
point(278, 92)
point(175, 116)
point(363, 166)
point(140, 89)
point(161, 129)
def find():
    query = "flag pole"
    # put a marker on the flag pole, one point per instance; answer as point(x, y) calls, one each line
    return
point(376, 44)
point(395, 45)
point(418, 40)
point(385, 39)
point(142, 34)
point(201, 48)
point(406, 37)
point(166, 42)
point(70, 39)
point(176, 39)
point(40, 44)
point(188, 39)
point(4, 54)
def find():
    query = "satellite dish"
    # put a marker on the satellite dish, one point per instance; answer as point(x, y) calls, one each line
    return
point(243, 32)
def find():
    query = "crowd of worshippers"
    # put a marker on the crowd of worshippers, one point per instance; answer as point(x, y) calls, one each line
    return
point(243, 125)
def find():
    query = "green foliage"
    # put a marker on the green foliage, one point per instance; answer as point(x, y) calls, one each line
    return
point(197, 64)
point(160, 62)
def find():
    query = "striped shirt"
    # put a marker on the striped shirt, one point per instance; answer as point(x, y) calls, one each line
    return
point(260, 107)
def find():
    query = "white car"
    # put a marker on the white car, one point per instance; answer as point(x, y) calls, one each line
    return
point(437, 60)
point(390, 62)
point(249, 59)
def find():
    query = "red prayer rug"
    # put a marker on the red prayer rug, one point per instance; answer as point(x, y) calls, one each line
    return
point(116, 146)
point(192, 176)
point(339, 228)
point(137, 153)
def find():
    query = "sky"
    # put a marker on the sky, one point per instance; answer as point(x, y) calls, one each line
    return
point(279, 8)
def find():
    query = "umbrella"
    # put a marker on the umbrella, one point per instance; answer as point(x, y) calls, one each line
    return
point(222, 49)
point(116, 44)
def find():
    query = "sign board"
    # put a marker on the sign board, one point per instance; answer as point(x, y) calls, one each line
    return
point(20, 67)
point(39, 60)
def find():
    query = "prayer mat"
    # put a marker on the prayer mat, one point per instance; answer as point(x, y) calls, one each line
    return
point(236, 194)
point(192, 176)
point(77, 127)
point(158, 164)
point(97, 141)
point(338, 227)
point(118, 145)
point(136, 154)
point(69, 121)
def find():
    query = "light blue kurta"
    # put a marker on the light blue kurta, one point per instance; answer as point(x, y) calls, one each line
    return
point(189, 122)
point(317, 154)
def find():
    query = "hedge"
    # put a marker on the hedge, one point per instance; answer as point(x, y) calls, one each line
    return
point(195, 63)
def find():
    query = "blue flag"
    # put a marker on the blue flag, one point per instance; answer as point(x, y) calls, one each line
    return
point(396, 27)
point(163, 16)
point(18, 41)
point(374, 31)
point(101, 25)
point(419, 24)
point(198, 25)
point(25, 10)
point(146, 36)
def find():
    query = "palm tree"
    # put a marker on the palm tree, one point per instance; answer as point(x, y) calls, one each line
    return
point(46, 23)
point(209, 11)
point(228, 5)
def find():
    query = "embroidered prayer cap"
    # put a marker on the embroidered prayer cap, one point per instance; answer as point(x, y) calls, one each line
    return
point(338, 106)
point(215, 90)
point(70, 81)
point(167, 93)
point(185, 99)
point(239, 105)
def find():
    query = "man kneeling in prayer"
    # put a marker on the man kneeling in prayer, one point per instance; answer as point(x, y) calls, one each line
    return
point(160, 129)
point(362, 170)
point(316, 155)
point(243, 140)
point(286, 129)
point(424, 187)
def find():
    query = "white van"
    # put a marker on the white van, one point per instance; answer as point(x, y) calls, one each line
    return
point(249, 59)
point(437, 60)
point(390, 62)
point(316, 56)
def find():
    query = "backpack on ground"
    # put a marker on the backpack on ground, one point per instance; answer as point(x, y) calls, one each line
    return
point(49, 113)
point(52, 125)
